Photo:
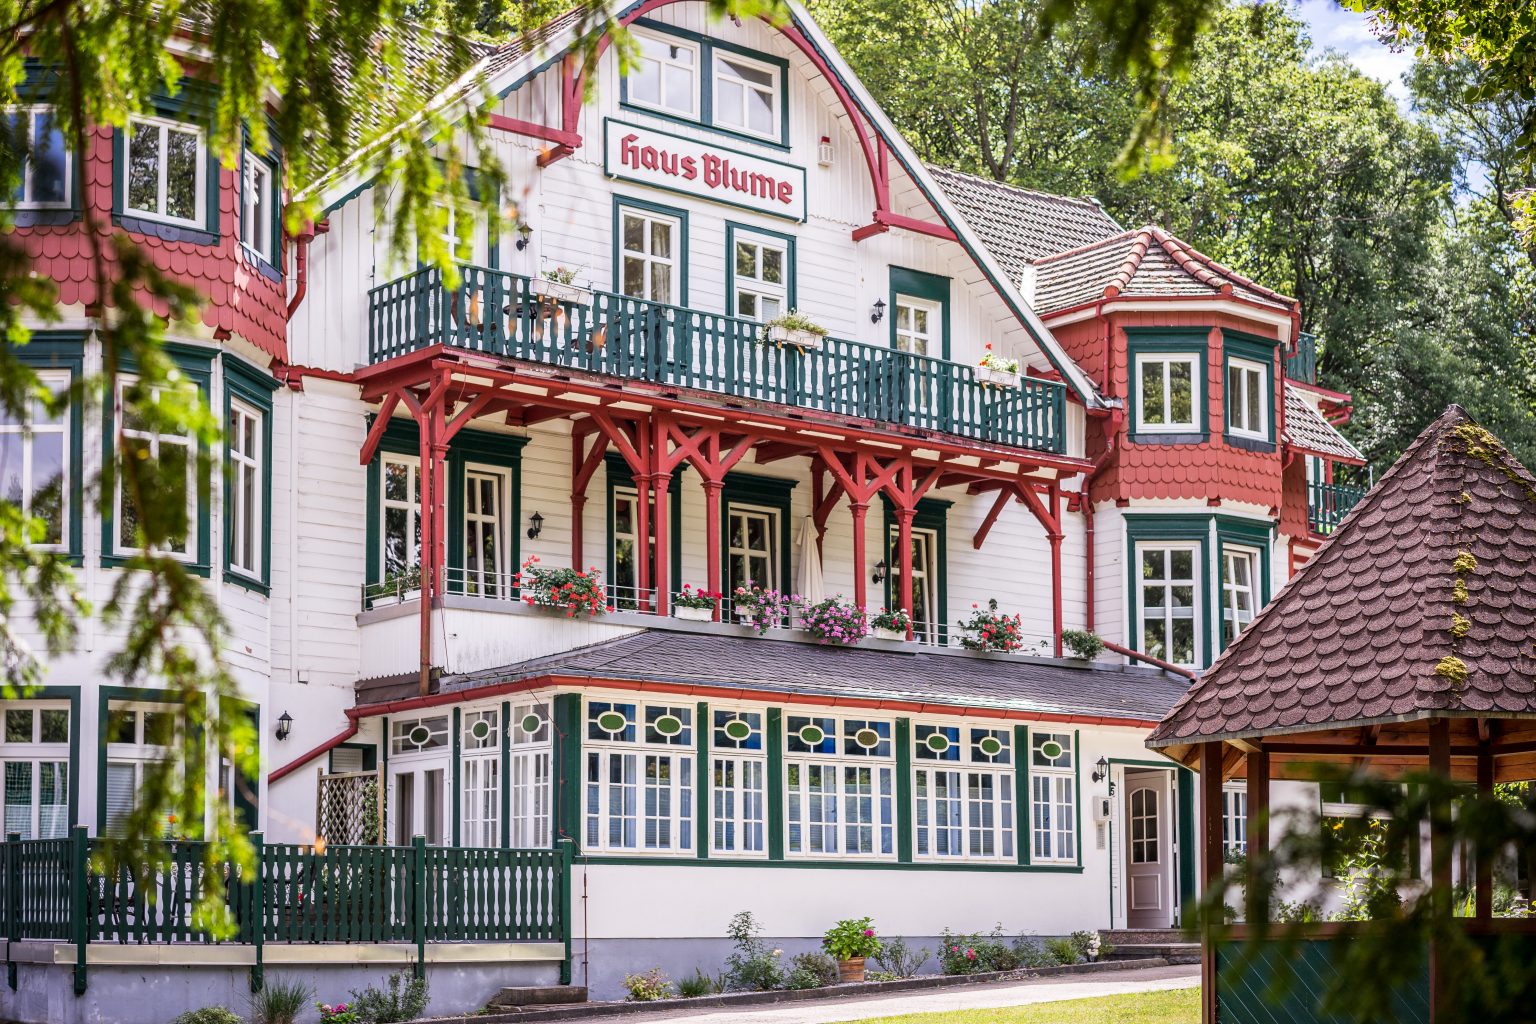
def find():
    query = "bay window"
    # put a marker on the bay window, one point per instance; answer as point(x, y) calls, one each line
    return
point(480, 778)
point(34, 769)
point(963, 781)
point(1168, 393)
point(164, 175)
point(639, 777)
point(259, 212)
point(1053, 797)
point(1248, 399)
point(35, 467)
point(738, 784)
point(840, 775)
point(1169, 599)
point(1239, 591)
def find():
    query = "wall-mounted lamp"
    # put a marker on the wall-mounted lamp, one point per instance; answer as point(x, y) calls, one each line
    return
point(535, 525)
point(881, 572)
point(879, 313)
point(524, 232)
point(1101, 770)
point(284, 726)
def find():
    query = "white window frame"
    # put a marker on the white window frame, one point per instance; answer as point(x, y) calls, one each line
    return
point(1231, 615)
point(631, 597)
point(738, 820)
point(139, 754)
point(661, 63)
point(757, 287)
point(36, 754)
point(1234, 819)
point(411, 504)
point(649, 260)
point(200, 185)
point(634, 759)
point(928, 571)
point(1239, 415)
point(155, 440)
point(1167, 360)
point(28, 184)
point(420, 761)
point(1168, 582)
point(963, 838)
point(720, 71)
point(258, 196)
point(246, 517)
point(494, 581)
point(1053, 806)
point(847, 805)
point(1144, 831)
point(530, 778)
point(27, 429)
point(907, 337)
point(770, 517)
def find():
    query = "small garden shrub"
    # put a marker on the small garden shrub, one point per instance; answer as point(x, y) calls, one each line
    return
point(977, 954)
point(341, 1013)
point(700, 984)
point(899, 960)
point(811, 970)
point(1062, 950)
point(1086, 945)
point(752, 966)
point(403, 998)
point(647, 987)
point(1032, 954)
point(209, 1015)
point(1082, 643)
point(280, 1001)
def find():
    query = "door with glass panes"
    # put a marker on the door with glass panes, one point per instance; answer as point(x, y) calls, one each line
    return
point(927, 621)
point(642, 335)
point(917, 331)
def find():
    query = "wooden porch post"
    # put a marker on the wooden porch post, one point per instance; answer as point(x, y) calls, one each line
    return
point(714, 581)
point(425, 482)
point(1484, 908)
point(1055, 538)
point(659, 484)
point(904, 542)
point(1257, 826)
point(1210, 870)
point(644, 548)
point(1440, 854)
point(860, 513)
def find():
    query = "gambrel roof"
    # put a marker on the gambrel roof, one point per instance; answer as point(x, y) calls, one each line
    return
point(1420, 604)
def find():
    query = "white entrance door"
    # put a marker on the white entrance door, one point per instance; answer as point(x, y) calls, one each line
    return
point(1148, 850)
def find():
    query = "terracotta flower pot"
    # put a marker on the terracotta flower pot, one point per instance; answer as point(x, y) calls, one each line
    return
point(850, 970)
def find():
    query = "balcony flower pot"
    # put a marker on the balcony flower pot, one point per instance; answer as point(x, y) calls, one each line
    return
point(888, 634)
point(994, 377)
point(693, 614)
point(802, 339)
point(559, 291)
point(851, 971)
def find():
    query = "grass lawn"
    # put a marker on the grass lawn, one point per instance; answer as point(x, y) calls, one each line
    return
point(1178, 1006)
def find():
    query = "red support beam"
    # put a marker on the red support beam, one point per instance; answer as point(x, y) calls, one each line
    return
point(583, 468)
point(376, 432)
point(1004, 496)
point(904, 545)
point(860, 514)
point(713, 581)
point(1258, 838)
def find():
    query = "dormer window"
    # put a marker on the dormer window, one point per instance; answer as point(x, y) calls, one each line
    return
point(687, 76)
point(1168, 392)
point(1247, 408)
point(164, 178)
point(666, 76)
point(45, 175)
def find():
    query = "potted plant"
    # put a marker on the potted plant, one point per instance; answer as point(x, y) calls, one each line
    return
point(793, 329)
point(891, 625)
point(850, 942)
point(571, 590)
point(835, 621)
point(990, 630)
point(762, 609)
point(1082, 643)
point(559, 285)
point(997, 370)
point(694, 605)
point(398, 586)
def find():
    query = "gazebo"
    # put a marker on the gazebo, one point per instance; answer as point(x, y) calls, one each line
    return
point(1405, 644)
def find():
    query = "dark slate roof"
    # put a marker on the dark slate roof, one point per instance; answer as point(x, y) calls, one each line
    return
point(1306, 429)
point(1030, 685)
point(1145, 262)
point(1371, 628)
point(1018, 225)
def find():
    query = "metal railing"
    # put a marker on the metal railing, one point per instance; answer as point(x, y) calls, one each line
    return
point(495, 312)
point(1328, 504)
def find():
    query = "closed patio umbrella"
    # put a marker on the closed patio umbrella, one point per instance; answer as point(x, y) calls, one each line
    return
point(808, 582)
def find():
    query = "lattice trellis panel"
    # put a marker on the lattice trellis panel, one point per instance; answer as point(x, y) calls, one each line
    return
point(350, 809)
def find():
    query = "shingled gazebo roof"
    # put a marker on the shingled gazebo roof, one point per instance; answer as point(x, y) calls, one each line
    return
point(1420, 605)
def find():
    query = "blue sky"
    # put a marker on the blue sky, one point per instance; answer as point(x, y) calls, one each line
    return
point(1348, 32)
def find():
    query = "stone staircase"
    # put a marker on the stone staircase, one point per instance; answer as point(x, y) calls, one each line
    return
point(1139, 943)
point(532, 997)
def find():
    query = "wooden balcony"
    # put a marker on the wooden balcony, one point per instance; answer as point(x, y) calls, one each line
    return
point(495, 312)
point(1303, 365)
point(1328, 504)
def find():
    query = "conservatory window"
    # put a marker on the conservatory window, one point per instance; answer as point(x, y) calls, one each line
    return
point(963, 778)
point(1053, 797)
point(415, 735)
point(1234, 820)
point(1169, 595)
point(34, 461)
point(640, 763)
point(34, 770)
point(529, 776)
point(840, 774)
point(480, 778)
point(739, 772)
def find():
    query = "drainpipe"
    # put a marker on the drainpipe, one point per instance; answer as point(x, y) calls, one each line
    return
point(1115, 420)
point(301, 261)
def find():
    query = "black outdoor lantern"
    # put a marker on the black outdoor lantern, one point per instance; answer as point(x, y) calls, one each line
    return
point(535, 524)
point(284, 725)
point(879, 313)
point(881, 570)
point(1101, 770)
point(524, 232)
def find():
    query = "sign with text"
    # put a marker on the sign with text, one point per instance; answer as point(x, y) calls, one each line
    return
point(695, 168)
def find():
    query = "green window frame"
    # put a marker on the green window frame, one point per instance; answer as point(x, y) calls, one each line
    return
point(192, 107)
point(1249, 351)
point(933, 516)
point(267, 258)
point(470, 448)
point(245, 385)
point(40, 88)
point(1249, 535)
point(920, 284)
point(706, 48)
point(196, 364)
point(619, 477)
point(71, 694)
point(680, 246)
point(735, 233)
point(1183, 344)
point(744, 490)
point(61, 352)
point(192, 774)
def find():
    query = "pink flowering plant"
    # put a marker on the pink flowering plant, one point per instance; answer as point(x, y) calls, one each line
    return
point(767, 608)
point(341, 1013)
point(576, 591)
point(851, 939)
point(991, 630)
point(690, 598)
point(895, 619)
point(835, 621)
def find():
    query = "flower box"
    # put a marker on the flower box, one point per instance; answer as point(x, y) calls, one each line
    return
point(693, 614)
point(556, 291)
point(889, 634)
point(994, 377)
point(803, 339)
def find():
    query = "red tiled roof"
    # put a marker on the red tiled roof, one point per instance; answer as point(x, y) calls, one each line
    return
point(1376, 625)
point(1306, 430)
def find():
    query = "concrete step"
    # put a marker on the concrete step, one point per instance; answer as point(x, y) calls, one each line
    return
point(539, 995)
point(1173, 952)
point(1137, 936)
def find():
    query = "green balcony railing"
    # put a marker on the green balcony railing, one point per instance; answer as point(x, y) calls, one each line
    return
point(495, 312)
point(1303, 365)
point(1328, 504)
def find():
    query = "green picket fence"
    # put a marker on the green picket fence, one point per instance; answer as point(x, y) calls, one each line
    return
point(495, 312)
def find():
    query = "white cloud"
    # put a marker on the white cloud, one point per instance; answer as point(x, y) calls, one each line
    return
point(1349, 33)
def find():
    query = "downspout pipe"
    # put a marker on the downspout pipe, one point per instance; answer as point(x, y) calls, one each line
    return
point(301, 262)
